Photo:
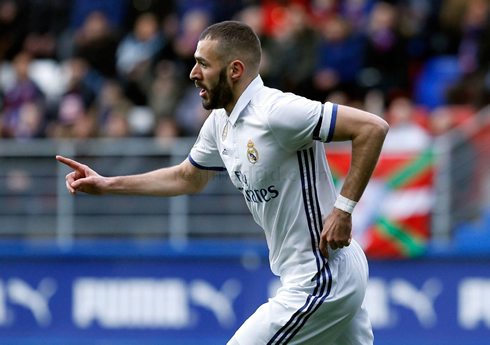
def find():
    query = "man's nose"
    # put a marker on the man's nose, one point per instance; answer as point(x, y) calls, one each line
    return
point(194, 73)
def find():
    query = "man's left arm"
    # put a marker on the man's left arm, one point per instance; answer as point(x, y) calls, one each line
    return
point(367, 133)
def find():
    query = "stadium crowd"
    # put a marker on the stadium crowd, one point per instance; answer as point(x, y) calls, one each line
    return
point(114, 68)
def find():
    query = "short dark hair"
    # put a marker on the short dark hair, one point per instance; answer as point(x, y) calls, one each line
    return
point(236, 40)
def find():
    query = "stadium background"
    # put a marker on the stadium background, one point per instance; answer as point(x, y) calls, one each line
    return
point(106, 82)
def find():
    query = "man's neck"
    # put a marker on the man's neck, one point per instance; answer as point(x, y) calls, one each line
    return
point(238, 89)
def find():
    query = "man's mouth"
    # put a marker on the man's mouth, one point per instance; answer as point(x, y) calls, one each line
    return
point(203, 91)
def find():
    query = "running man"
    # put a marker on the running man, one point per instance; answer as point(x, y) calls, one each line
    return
point(272, 146)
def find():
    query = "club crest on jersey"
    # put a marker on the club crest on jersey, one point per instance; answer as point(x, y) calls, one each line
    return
point(252, 154)
point(224, 134)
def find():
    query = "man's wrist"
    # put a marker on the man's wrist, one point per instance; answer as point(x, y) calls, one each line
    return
point(341, 214)
point(344, 204)
point(111, 185)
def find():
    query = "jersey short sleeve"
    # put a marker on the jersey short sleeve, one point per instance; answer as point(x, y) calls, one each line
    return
point(296, 121)
point(205, 153)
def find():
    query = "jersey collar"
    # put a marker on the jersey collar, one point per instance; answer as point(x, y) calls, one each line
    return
point(245, 98)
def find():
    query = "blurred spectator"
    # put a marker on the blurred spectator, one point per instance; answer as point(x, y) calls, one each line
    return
point(414, 16)
point(417, 26)
point(161, 8)
point(139, 46)
point(115, 10)
point(112, 111)
point(24, 105)
point(362, 51)
point(96, 42)
point(386, 56)
point(405, 134)
point(76, 107)
point(46, 20)
point(473, 27)
point(189, 114)
point(166, 128)
point(141, 121)
point(472, 18)
point(163, 97)
point(201, 6)
point(341, 55)
point(290, 51)
point(452, 13)
point(12, 28)
point(374, 103)
point(441, 121)
point(136, 53)
point(253, 16)
point(324, 10)
point(338, 97)
point(193, 23)
point(356, 12)
point(170, 29)
point(444, 118)
point(470, 91)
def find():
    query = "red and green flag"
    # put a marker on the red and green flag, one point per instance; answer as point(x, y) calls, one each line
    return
point(392, 219)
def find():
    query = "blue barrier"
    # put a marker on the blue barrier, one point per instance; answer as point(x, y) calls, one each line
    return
point(195, 249)
point(144, 249)
point(126, 292)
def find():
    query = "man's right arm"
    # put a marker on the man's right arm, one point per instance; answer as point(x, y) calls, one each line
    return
point(184, 178)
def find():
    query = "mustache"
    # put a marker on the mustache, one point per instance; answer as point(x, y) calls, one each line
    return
point(199, 85)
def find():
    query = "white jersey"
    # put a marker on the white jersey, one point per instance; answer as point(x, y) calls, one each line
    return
point(267, 146)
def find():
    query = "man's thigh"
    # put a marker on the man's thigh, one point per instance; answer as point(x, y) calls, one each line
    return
point(317, 313)
point(359, 331)
point(295, 319)
point(297, 316)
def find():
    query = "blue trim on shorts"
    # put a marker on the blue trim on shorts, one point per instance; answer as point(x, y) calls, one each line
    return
point(299, 318)
point(332, 123)
point(203, 167)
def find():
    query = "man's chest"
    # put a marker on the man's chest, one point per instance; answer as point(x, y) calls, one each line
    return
point(255, 162)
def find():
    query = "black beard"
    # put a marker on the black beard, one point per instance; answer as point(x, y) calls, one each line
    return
point(220, 95)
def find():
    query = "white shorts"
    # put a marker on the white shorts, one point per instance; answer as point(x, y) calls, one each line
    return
point(327, 310)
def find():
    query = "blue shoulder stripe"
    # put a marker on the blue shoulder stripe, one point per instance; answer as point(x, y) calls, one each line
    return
point(332, 123)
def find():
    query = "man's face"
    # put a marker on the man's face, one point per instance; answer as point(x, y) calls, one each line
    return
point(210, 75)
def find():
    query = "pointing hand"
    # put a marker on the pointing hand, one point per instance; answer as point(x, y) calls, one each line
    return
point(83, 179)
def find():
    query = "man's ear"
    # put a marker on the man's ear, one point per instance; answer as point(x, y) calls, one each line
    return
point(237, 68)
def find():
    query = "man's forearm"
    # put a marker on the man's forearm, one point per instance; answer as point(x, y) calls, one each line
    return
point(163, 182)
point(184, 178)
point(366, 148)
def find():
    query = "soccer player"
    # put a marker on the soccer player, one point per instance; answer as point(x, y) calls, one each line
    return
point(272, 146)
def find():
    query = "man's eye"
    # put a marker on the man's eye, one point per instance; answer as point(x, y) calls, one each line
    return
point(203, 64)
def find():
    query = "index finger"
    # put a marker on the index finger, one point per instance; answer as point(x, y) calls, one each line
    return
point(70, 162)
point(324, 247)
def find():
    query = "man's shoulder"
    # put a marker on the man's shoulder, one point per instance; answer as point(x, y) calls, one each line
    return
point(270, 97)
point(277, 103)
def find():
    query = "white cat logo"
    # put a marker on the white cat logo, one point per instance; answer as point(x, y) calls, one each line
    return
point(219, 302)
point(36, 301)
point(420, 302)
